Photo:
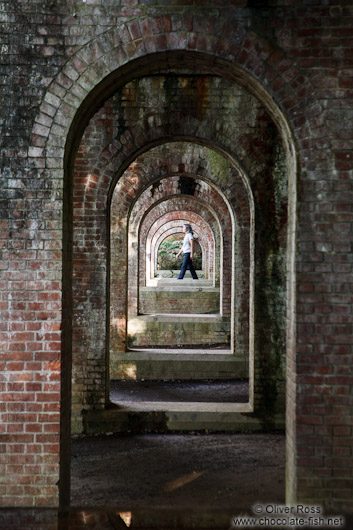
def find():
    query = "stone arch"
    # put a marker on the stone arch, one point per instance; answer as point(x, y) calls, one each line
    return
point(137, 178)
point(173, 223)
point(186, 205)
point(122, 48)
point(208, 193)
point(244, 55)
point(125, 204)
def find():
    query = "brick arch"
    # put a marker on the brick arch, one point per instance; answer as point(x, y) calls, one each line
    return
point(160, 229)
point(208, 193)
point(222, 222)
point(176, 228)
point(173, 223)
point(139, 176)
point(125, 51)
point(249, 155)
point(120, 323)
point(137, 267)
point(96, 188)
point(125, 191)
point(49, 145)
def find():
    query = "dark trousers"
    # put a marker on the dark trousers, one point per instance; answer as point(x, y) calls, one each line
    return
point(187, 264)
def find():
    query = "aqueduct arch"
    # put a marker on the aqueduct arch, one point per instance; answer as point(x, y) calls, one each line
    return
point(98, 186)
point(174, 225)
point(66, 65)
point(156, 197)
point(114, 161)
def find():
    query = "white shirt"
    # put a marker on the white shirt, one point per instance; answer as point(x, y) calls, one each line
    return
point(187, 242)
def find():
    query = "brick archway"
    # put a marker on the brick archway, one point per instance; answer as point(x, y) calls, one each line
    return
point(57, 72)
point(151, 186)
point(171, 224)
point(40, 136)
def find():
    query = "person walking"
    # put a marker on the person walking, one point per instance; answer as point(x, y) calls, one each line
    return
point(188, 250)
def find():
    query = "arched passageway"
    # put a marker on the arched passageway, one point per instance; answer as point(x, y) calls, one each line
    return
point(202, 203)
point(242, 200)
point(247, 178)
point(241, 81)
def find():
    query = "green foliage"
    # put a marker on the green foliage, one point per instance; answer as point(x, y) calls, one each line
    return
point(168, 250)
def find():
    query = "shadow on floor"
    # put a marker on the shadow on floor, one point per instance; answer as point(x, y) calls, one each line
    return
point(185, 480)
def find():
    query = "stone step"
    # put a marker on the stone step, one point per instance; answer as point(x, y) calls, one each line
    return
point(176, 417)
point(178, 330)
point(195, 318)
point(221, 391)
point(182, 288)
point(177, 364)
point(174, 282)
point(179, 299)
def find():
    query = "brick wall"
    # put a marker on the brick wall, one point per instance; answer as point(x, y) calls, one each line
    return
point(60, 62)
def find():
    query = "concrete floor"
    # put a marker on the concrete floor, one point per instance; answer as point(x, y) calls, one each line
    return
point(228, 391)
point(165, 482)
point(187, 481)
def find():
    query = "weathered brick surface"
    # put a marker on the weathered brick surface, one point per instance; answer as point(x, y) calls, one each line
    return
point(146, 330)
point(152, 300)
point(160, 162)
point(58, 57)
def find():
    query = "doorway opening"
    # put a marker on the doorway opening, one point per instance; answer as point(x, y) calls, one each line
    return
point(240, 188)
point(236, 198)
point(181, 330)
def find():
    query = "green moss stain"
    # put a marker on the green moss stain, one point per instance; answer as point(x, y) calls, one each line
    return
point(270, 291)
point(218, 165)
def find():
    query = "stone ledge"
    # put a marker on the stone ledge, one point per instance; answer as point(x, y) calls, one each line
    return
point(186, 282)
point(180, 287)
point(177, 364)
point(178, 417)
point(178, 354)
point(186, 318)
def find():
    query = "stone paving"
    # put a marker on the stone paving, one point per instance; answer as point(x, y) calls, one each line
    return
point(229, 391)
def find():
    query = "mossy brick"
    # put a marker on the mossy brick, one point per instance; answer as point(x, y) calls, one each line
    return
point(178, 330)
point(153, 300)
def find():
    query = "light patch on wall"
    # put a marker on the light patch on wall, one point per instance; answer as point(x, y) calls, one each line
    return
point(128, 371)
point(90, 181)
point(118, 322)
point(126, 517)
point(136, 325)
